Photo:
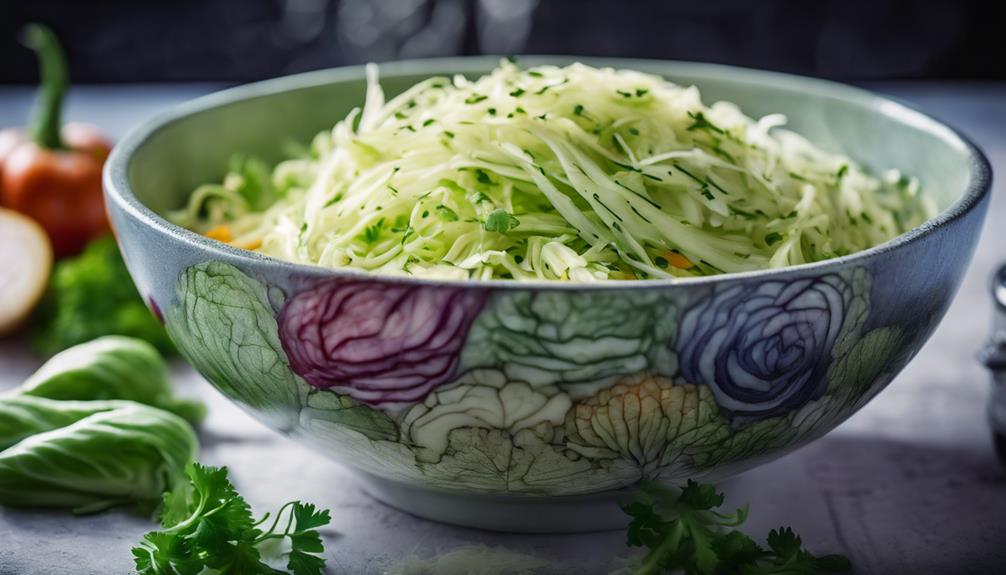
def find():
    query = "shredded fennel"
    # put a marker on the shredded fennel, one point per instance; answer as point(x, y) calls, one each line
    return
point(573, 173)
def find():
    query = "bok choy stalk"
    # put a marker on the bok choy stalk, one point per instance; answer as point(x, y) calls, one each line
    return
point(93, 428)
point(22, 416)
point(122, 452)
point(111, 367)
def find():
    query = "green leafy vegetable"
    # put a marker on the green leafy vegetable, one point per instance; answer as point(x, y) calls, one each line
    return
point(92, 295)
point(123, 452)
point(683, 531)
point(208, 525)
point(111, 367)
point(22, 416)
point(251, 178)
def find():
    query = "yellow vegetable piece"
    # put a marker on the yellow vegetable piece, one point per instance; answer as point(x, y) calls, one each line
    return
point(221, 233)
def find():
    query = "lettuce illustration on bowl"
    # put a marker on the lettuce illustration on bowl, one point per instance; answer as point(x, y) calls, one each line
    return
point(381, 344)
point(483, 399)
point(764, 348)
point(224, 324)
point(324, 405)
point(588, 339)
point(854, 377)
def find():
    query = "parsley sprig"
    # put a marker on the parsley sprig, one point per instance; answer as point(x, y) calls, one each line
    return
point(683, 530)
point(208, 525)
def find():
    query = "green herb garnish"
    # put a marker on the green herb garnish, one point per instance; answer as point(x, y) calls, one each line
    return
point(701, 123)
point(683, 532)
point(500, 220)
point(92, 295)
point(208, 525)
point(372, 232)
point(446, 213)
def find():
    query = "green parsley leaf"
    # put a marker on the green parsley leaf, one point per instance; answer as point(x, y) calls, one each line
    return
point(683, 531)
point(92, 295)
point(483, 177)
point(208, 525)
point(373, 232)
point(500, 220)
point(446, 213)
point(701, 123)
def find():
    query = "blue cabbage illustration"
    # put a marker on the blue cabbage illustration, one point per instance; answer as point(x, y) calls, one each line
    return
point(764, 348)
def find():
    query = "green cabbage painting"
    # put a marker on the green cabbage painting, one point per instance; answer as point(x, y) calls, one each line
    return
point(588, 338)
point(224, 324)
point(481, 399)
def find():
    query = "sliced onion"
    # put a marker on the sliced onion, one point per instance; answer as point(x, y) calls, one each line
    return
point(25, 264)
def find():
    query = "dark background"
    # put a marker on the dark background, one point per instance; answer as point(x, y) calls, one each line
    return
point(241, 40)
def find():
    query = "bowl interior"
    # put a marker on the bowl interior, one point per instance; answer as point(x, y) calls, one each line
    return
point(193, 146)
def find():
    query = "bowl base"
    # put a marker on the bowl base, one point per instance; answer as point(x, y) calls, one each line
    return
point(508, 513)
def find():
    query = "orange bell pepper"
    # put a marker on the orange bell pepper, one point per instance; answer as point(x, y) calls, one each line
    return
point(676, 260)
point(52, 173)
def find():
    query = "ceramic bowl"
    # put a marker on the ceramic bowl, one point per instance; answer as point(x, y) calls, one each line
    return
point(526, 406)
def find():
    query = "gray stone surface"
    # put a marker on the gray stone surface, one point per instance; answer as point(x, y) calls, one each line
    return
point(908, 485)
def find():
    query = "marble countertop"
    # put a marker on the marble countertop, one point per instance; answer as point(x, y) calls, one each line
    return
point(910, 484)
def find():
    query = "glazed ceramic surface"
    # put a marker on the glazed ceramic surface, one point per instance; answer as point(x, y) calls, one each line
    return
point(546, 389)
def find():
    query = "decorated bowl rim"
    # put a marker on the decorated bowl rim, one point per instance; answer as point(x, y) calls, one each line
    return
point(118, 189)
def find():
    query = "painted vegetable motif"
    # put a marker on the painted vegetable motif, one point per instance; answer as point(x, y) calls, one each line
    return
point(383, 345)
point(648, 420)
point(539, 391)
point(587, 338)
point(483, 399)
point(225, 325)
point(763, 348)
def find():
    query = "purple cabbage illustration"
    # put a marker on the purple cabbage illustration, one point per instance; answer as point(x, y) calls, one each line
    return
point(764, 348)
point(383, 345)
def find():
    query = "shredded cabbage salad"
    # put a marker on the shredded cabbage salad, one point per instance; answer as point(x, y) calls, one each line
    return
point(572, 173)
